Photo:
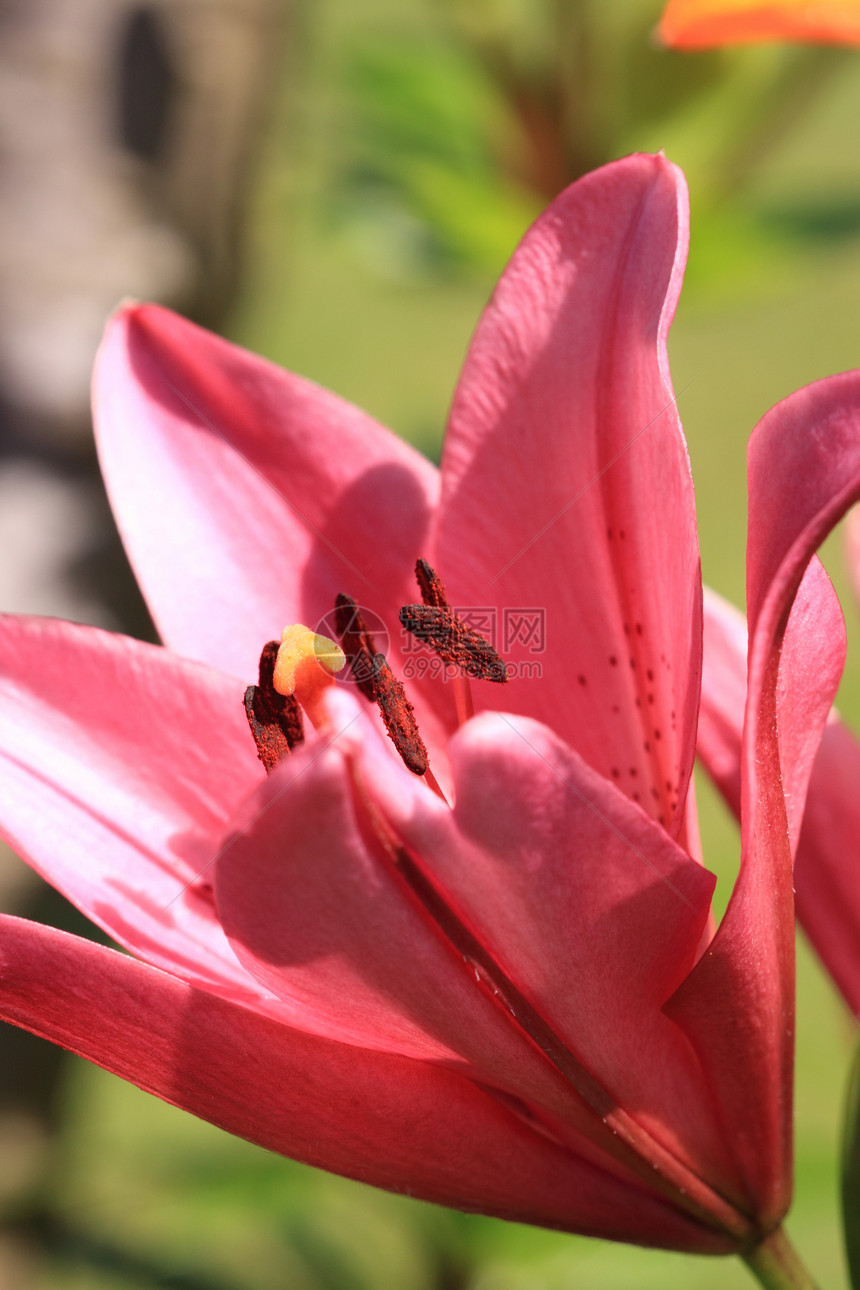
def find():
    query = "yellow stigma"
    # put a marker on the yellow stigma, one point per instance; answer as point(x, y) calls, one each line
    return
point(306, 663)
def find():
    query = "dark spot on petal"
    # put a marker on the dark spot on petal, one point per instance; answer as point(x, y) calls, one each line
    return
point(615, 707)
point(638, 629)
point(633, 772)
point(650, 674)
point(581, 679)
point(650, 698)
point(646, 746)
point(655, 794)
point(613, 661)
point(636, 797)
point(657, 734)
point(616, 773)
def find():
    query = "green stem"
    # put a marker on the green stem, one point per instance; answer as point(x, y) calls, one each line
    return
point(775, 1264)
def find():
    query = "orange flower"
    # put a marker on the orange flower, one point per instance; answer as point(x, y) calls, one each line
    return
point(698, 24)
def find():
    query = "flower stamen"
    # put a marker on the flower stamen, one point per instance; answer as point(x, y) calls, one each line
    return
point(436, 624)
point(377, 682)
point(399, 716)
point(434, 595)
point(275, 719)
point(454, 642)
point(357, 642)
point(431, 586)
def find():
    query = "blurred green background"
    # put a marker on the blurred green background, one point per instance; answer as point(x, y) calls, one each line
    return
point(409, 145)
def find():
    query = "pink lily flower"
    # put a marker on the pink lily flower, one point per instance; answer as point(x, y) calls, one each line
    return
point(513, 1003)
point(703, 24)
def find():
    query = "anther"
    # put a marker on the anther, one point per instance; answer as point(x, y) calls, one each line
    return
point(378, 683)
point(357, 643)
point(275, 719)
point(399, 717)
point(438, 626)
point(430, 585)
point(454, 642)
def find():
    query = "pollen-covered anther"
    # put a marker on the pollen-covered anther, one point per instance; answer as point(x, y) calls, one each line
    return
point(357, 642)
point(307, 664)
point(454, 641)
point(275, 720)
point(399, 717)
point(431, 586)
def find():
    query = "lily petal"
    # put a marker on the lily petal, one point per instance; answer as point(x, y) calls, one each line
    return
point(700, 24)
point(121, 764)
point(339, 926)
point(585, 904)
point(566, 483)
point(827, 891)
point(724, 695)
point(324, 921)
point(827, 868)
point(403, 1125)
point(248, 498)
point(804, 469)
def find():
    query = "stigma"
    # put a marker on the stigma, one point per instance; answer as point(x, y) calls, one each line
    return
point(306, 665)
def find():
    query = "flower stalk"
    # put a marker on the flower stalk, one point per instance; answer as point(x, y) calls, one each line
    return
point(776, 1265)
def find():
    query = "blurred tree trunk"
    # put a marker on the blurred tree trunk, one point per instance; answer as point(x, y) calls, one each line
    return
point(130, 132)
